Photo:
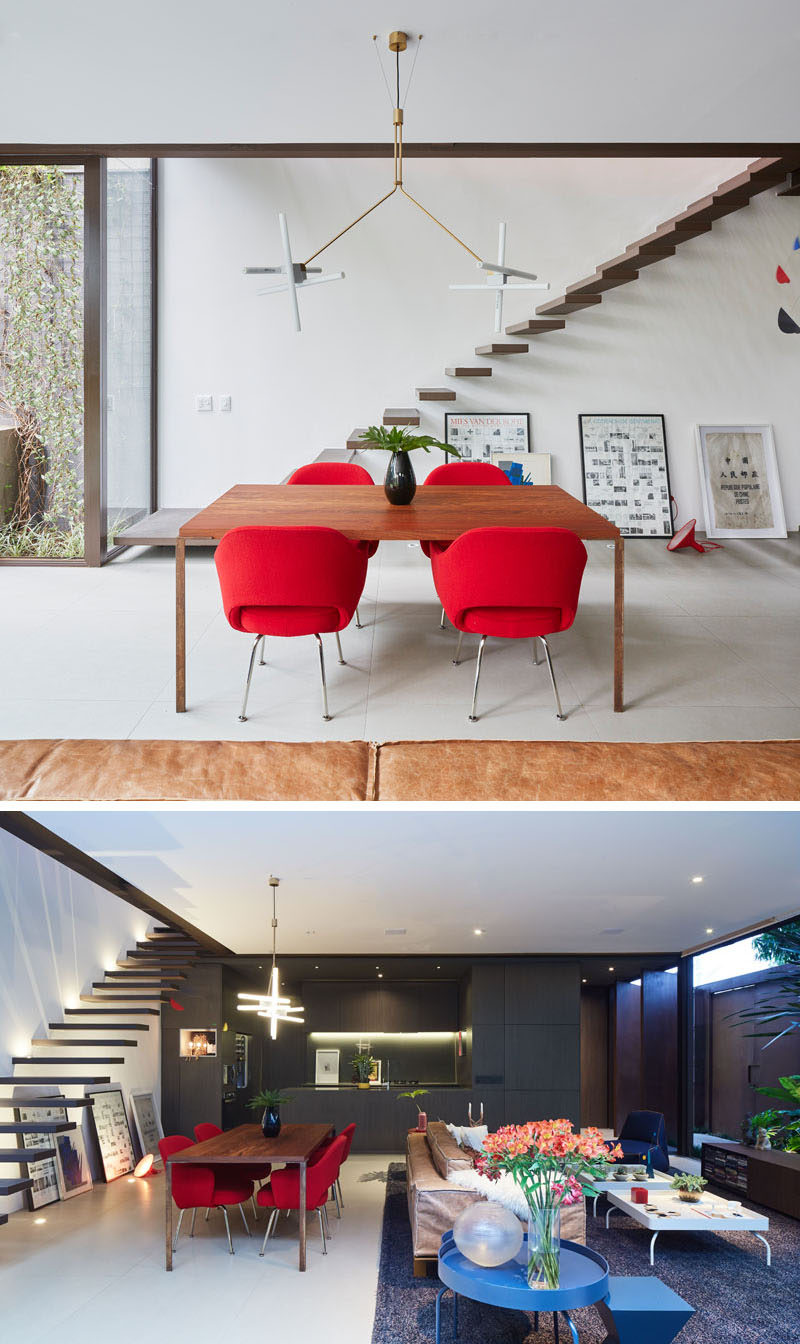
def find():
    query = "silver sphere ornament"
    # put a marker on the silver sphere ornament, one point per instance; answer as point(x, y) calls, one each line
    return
point(488, 1234)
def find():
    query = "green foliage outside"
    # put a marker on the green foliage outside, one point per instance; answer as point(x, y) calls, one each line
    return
point(781, 945)
point(41, 360)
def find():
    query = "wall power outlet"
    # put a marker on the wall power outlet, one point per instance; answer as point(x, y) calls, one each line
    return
point(204, 402)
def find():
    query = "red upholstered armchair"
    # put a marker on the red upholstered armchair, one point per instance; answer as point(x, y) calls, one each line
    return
point(336, 473)
point(283, 1191)
point(511, 582)
point(246, 1171)
point(195, 1187)
point(287, 581)
point(461, 473)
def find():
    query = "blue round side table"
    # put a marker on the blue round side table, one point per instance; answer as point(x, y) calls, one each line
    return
point(583, 1281)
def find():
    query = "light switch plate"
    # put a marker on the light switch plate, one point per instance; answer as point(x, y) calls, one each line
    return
point(204, 403)
point(225, 402)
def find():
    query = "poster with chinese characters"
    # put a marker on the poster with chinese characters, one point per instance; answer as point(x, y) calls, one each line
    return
point(739, 481)
point(625, 472)
point(113, 1134)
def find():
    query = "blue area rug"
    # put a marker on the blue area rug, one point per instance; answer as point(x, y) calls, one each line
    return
point(724, 1276)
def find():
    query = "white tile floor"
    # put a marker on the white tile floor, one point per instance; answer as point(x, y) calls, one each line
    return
point(96, 1267)
point(712, 651)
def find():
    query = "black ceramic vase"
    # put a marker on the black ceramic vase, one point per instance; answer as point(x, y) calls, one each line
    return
point(401, 483)
point(271, 1122)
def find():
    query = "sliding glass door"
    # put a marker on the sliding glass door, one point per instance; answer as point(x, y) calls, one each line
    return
point(77, 356)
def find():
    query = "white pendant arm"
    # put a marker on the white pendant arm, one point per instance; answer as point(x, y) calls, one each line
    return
point(506, 270)
point(287, 256)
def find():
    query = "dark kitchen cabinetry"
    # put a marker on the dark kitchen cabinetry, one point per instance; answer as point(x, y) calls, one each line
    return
point(399, 1006)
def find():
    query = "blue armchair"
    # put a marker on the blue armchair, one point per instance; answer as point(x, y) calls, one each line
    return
point(643, 1132)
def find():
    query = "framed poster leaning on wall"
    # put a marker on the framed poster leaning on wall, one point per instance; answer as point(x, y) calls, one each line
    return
point(626, 473)
point(739, 481)
point(146, 1122)
point(478, 436)
point(44, 1174)
point(113, 1133)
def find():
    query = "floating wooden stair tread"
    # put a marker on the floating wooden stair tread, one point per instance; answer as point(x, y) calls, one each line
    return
point(69, 1103)
point(135, 986)
point(24, 1156)
point(134, 978)
point(604, 280)
point(13, 1187)
point(436, 394)
point(4, 1216)
point(147, 954)
point(40, 1127)
point(127, 999)
point(355, 440)
point(98, 1026)
point(503, 348)
point(17, 1060)
point(92, 1045)
point(535, 326)
point(401, 416)
point(570, 303)
point(462, 371)
point(47, 1080)
point(103, 1012)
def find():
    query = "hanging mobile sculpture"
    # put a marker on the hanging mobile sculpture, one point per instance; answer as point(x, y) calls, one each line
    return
point(300, 275)
point(786, 322)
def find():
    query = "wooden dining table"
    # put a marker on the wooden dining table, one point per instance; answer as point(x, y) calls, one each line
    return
point(246, 1143)
point(363, 513)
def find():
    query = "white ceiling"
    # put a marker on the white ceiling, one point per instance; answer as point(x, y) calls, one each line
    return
point(537, 882)
point(544, 70)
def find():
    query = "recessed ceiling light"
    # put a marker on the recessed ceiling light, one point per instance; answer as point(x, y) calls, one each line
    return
point(380, 975)
point(438, 968)
point(697, 879)
point(709, 930)
point(478, 932)
point(611, 968)
point(583, 981)
point(316, 968)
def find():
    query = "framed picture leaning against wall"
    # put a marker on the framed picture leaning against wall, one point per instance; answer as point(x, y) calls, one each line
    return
point(480, 435)
point(626, 473)
point(739, 481)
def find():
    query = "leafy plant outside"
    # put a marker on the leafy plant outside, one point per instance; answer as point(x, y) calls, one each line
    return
point(41, 359)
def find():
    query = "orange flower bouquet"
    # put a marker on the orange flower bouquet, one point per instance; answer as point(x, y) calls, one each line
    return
point(551, 1164)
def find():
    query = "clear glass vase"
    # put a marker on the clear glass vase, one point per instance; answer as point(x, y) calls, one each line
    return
point(544, 1245)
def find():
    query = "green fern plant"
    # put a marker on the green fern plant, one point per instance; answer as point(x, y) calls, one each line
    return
point(398, 440)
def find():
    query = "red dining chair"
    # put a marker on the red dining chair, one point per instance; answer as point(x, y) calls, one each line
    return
point(336, 473)
point(460, 473)
point(513, 582)
point(283, 1191)
point(202, 1187)
point(248, 1171)
point(347, 1133)
point(287, 581)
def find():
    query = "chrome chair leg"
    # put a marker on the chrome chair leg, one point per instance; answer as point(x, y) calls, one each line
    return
point(534, 653)
point(339, 647)
point(243, 715)
point(270, 1228)
point(227, 1228)
point(473, 718)
point(244, 1220)
point(335, 1194)
point(194, 1215)
point(261, 662)
point(559, 713)
point(178, 1229)
point(207, 1213)
point(359, 626)
point(457, 658)
point(442, 620)
point(326, 716)
point(254, 1207)
point(341, 1196)
point(322, 1232)
point(325, 1220)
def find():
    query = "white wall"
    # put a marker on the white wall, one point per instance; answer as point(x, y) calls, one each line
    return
point(58, 932)
point(695, 337)
point(244, 71)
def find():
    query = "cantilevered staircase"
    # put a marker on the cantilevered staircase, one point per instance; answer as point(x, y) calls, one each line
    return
point(147, 976)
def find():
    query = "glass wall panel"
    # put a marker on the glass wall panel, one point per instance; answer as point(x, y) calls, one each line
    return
point(129, 335)
point(41, 361)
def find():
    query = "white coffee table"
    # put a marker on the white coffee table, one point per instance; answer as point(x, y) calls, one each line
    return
point(668, 1213)
point(625, 1187)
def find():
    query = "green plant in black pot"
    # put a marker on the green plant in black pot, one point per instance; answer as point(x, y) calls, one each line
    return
point(362, 1067)
point(400, 483)
point(269, 1101)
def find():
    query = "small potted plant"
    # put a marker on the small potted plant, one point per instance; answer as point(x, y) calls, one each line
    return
point(422, 1118)
point(640, 1173)
point(269, 1101)
point(400, 483)
point(689, 1186)
point(363, 1066)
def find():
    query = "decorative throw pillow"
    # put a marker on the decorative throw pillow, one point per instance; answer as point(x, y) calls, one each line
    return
point(469, 1136)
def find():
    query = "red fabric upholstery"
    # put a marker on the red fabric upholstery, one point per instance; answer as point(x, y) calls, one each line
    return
point(515, 582)
point(347, 1133)
point(461, 473)
point(335, 473)
point(282, 580)
point(196, 1187)
point(245, 1171)
point(283, 1191)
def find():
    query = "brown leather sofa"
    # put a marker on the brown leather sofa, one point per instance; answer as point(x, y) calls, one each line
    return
point(434, 1202)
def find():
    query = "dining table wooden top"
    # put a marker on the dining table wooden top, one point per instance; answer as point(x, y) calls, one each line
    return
point(246, 1143)
point(363, 513)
